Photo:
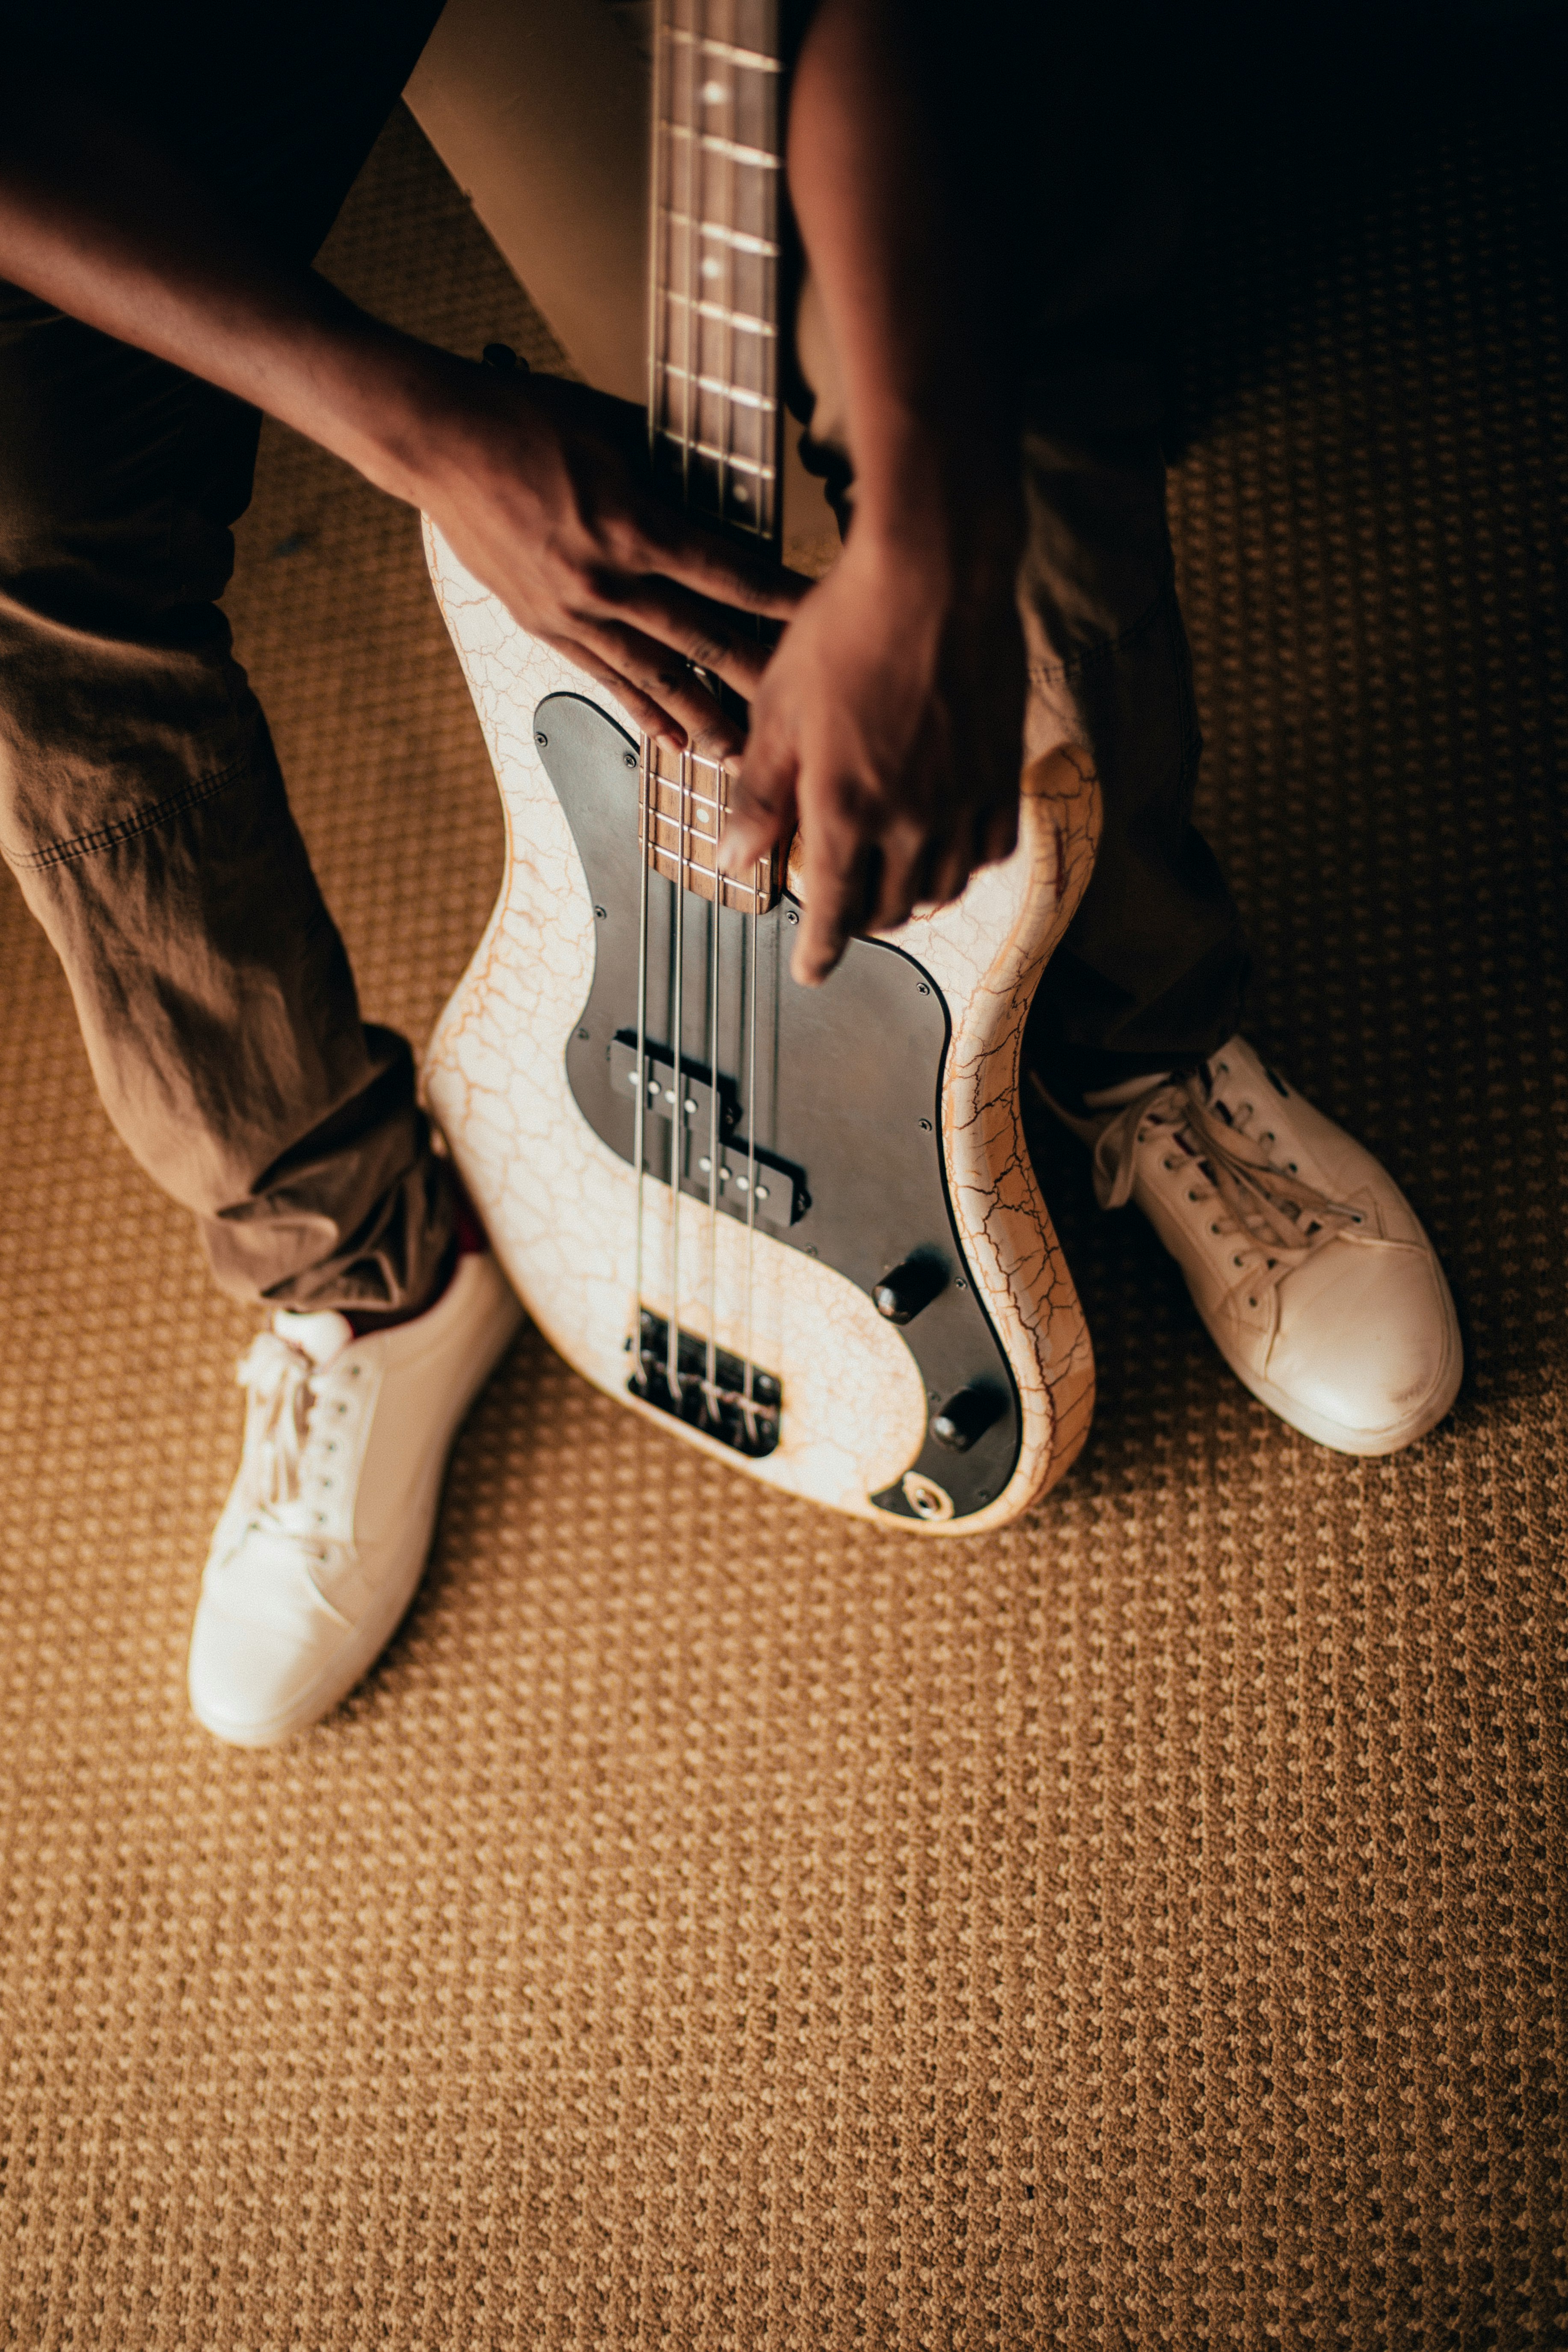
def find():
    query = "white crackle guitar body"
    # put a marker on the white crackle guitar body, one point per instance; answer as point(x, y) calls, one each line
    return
point(854, 1429)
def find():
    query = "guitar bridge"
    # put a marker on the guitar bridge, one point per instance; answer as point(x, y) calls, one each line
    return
point(720, 1407)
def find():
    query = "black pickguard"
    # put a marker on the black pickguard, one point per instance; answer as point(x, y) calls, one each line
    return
point(848, 1089)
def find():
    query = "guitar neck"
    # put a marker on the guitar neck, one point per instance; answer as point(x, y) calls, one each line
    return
point(714, 415)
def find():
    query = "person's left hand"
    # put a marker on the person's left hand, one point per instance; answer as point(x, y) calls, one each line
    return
point(888, 725)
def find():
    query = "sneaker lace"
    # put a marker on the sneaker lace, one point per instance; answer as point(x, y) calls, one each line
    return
point(277, 1381)
point(1282, 1217)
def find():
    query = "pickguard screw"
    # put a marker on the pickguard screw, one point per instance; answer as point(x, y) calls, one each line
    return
point(926, 1125)
point(925, 988)
point(791, 916)
point(629, 759)
point(600, 912)
point(541, 740)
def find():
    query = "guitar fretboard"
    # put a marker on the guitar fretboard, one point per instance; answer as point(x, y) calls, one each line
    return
point(713, 388)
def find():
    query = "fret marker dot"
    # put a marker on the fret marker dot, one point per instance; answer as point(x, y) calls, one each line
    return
point(711, 268)
point(712, 91)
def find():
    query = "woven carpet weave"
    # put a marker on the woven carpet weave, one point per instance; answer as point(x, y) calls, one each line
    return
point(714, 1924)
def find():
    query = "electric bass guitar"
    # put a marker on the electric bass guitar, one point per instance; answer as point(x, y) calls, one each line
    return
point(798, 1227)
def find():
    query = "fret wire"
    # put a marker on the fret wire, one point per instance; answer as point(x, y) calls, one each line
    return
point(697, 760)
point(738, 896)
point(742, 239)
point(745, 320)
point(699, 800)
point(721, 383)
point(734, 150)
point(727, 50)
point(661, 816)
point(711, 449)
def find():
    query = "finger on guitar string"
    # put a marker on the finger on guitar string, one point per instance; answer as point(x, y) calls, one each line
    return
point(646, 714)
point(704, 725)
point(903, 874)
point(838, 871)
point(723, 572)
point(701, 631)
point(761, 802)
point(951, 863)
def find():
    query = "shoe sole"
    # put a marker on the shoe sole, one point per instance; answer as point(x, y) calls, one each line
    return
point(353, 1662)
point(1364, 1443)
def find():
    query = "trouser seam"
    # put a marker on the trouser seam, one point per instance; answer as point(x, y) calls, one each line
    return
point(123, 829)
point(1106, 648)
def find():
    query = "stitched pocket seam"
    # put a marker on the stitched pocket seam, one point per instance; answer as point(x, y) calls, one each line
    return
point(123, 829)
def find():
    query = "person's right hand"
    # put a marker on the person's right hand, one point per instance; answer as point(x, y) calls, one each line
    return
point(543, 490)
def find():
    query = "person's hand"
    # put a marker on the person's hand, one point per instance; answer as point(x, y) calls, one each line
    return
point(542, 489)
point(889, 726)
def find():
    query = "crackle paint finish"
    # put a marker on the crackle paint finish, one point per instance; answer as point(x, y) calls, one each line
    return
point(560, 1204)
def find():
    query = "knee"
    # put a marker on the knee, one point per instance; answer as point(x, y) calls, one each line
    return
point(119, 477)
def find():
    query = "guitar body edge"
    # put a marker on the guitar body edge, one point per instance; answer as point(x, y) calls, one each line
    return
point(561, 1204)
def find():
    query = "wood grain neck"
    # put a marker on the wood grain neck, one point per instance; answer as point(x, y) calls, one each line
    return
point(713, 369)
point(684, 799)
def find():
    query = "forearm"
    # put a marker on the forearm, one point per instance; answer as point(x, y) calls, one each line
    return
point(876, 184)
point(538, 484)
point(100, 224)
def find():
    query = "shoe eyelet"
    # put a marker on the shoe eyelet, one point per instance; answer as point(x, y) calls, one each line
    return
point(1292, 1168)
point(1252, 1302)
point(1214, 1229)
point(1238, 1261)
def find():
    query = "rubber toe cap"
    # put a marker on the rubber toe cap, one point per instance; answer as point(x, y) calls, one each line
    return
point(247, 1680)
point(1368, 1343)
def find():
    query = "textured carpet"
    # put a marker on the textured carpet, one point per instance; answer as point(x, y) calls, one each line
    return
point(715, 1925)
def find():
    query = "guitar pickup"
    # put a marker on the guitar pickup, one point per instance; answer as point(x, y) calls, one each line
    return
point(777, 1189)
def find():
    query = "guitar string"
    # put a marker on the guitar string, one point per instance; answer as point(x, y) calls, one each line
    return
point(769, 493)
point(716, 929)
point(660, 246)
point(690, 165)
point(694, 209)
point(677, 1105)
point(748, 1387)
point(728, 372)
point(639, 1115)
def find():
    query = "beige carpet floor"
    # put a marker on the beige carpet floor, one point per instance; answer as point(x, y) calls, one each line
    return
point(715, 1925)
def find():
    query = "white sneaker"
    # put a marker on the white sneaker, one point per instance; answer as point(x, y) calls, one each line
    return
point(1303, 1258)
point(325, 1536)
